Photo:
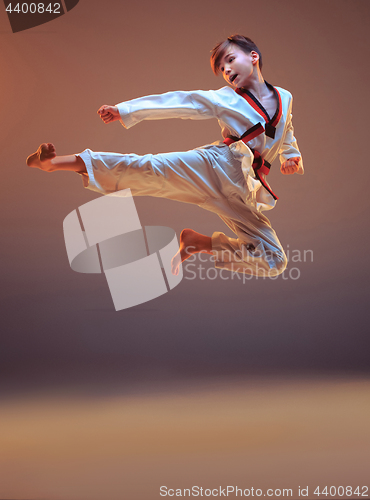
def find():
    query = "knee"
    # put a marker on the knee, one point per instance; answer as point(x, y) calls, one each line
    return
point(280, 263)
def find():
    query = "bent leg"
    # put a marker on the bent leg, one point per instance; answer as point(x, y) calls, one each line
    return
point(256, 250)
point(251, 254)
point(260, 255)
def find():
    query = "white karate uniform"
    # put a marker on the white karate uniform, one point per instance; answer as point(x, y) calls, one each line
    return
point(216, 177)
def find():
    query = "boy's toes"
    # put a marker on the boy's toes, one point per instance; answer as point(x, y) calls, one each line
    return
point(46, 151)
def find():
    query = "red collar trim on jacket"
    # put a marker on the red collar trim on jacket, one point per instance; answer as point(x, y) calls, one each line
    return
point(257, 106)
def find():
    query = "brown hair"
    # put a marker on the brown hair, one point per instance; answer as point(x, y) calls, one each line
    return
point(243, 42)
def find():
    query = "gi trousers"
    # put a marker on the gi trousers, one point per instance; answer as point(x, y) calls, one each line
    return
point(210, 177)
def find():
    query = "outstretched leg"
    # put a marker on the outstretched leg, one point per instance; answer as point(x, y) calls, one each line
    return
point(190, 242)
point(45, 159)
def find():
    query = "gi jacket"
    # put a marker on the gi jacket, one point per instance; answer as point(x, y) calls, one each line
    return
point(235, 115)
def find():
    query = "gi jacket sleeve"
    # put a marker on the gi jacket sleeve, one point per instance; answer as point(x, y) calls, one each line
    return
point(289, 147)
point(196, 105)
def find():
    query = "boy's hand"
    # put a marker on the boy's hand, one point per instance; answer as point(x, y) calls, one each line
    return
point(290, 166)
point(109, 113)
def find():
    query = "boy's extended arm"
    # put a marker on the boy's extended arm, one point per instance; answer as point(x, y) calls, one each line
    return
point(196, 105)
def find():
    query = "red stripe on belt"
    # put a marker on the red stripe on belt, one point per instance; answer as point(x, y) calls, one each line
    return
point(259, 165)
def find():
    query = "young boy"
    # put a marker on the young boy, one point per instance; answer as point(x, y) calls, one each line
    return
point(227, 177)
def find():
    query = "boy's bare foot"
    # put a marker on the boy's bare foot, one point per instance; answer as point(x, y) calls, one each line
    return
point(41, 158)
point(190, 242)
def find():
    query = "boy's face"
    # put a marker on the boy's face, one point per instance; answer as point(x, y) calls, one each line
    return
point(237, 66)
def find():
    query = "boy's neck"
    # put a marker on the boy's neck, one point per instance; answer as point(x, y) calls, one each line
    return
point(256, 85)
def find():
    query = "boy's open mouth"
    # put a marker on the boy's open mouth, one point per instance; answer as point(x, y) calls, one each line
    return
point(232, 78)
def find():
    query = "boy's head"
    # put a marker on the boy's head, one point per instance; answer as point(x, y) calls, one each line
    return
point(240, 42)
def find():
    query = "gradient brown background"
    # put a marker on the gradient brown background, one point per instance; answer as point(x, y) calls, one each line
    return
point(292, 348)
